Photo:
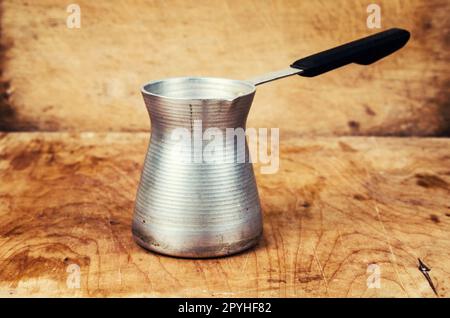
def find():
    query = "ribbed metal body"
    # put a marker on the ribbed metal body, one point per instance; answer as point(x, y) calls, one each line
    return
point(191, 207)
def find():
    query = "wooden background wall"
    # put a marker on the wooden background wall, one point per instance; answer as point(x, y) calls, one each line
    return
point(88, 79)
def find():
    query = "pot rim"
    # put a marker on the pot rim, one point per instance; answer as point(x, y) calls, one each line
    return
point(248, 88)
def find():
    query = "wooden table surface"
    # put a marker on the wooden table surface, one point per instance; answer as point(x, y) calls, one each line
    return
point(339, 212)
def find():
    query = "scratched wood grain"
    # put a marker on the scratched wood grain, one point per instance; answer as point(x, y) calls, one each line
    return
point(336, 206)
point(88, 79)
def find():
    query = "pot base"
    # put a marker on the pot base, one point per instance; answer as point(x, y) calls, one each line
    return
point(224, 249)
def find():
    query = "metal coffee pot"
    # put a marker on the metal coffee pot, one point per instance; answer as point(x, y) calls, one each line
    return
point(189, 207)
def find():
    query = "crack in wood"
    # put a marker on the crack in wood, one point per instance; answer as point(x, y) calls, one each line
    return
point(424, 270)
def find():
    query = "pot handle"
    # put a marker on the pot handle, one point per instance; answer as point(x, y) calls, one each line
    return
point(364, 51)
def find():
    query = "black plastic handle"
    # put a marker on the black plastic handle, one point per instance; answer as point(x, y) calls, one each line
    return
point(364, 51)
